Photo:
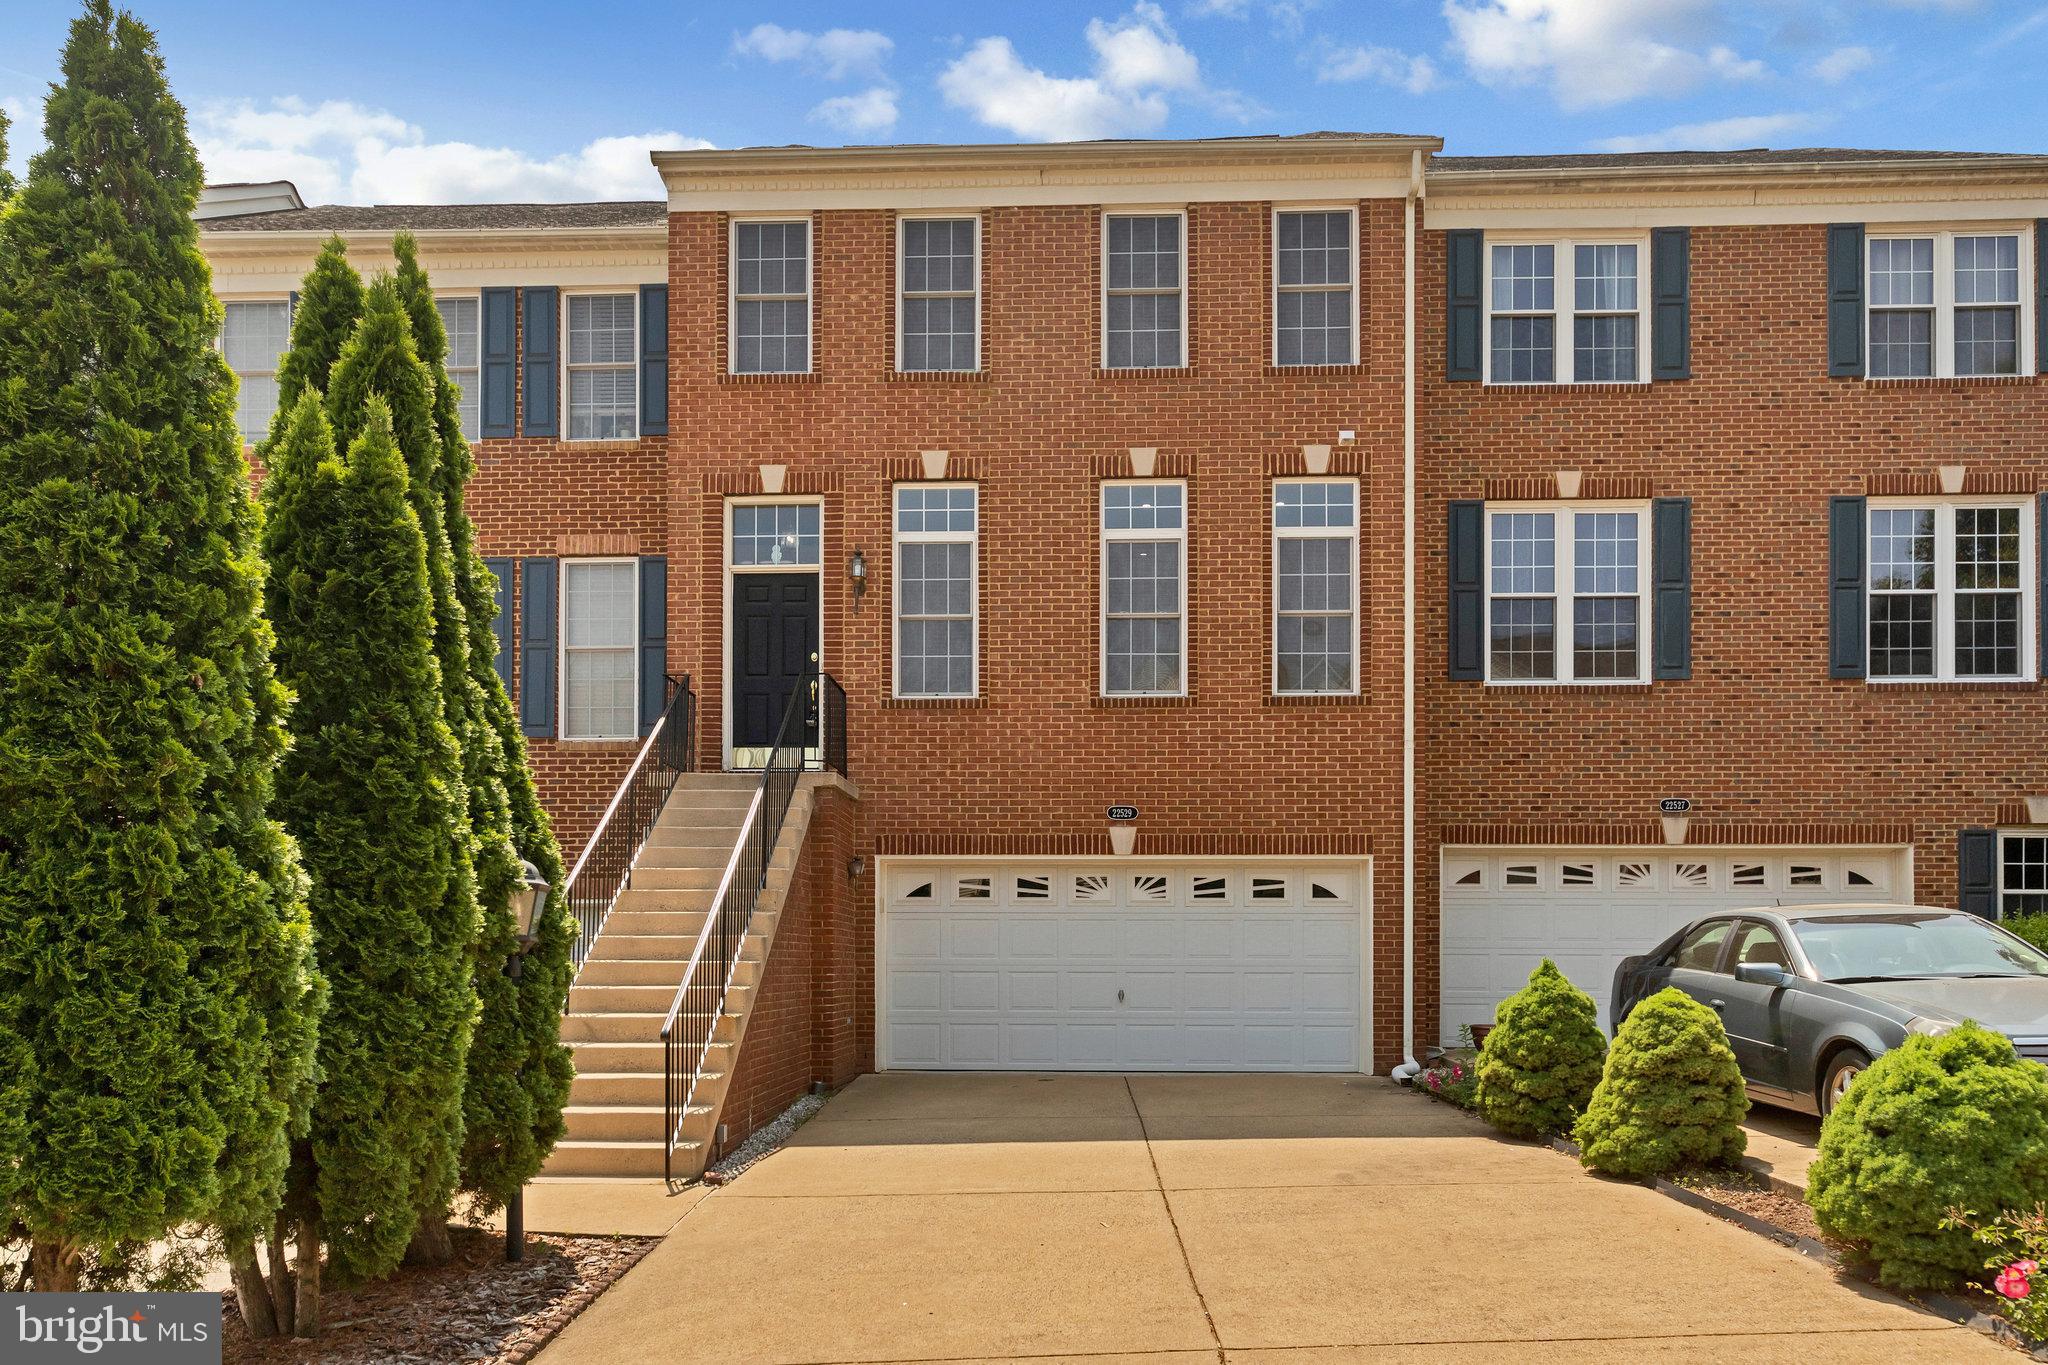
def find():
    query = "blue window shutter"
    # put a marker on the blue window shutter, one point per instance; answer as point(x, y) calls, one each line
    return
point(654, 360)
point(2041, 588)
point(1845, 299)
point(500, 377)
point(2041, 295)
point(653, 639)
point(1977, 872)
point(537, 615)
point(1671, 557)
point(1464, 299)
point(501, 619)
point(1467, 537)
point(291, 307)
point(541, 307)
point(1671, 303)
point(1848, 531)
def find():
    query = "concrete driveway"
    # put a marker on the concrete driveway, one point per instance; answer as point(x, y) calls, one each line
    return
point(1205, 1218)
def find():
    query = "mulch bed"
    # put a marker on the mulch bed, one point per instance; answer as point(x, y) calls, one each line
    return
point(474, 1309)
point(1750, 1193)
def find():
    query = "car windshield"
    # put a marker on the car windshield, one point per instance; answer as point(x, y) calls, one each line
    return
point(1876, 947)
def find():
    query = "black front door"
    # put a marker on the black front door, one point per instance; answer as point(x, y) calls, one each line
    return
point(774, 646)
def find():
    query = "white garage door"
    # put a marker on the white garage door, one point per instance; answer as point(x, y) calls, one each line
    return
point(1505, 910)
point(1123, 966)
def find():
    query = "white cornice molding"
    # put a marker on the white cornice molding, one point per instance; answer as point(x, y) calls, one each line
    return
point(275, 262)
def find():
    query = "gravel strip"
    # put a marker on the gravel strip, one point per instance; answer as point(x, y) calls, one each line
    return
point(474, 1309)
point(763, 1140)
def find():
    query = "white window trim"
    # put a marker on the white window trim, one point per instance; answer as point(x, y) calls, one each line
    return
point(2003, 890)
point(1281, 533)
point(980, 330)
point(631, 292)
point(1106, 538)
point(1945, 507)
point(732, 290)
point(1185, 290)
point(476, 372)
point(1565, 546)
point(1944, 306)
point(564, 649)
point(1273, 275)
point(220, 344)
point(1564, 297)
point(897, 540)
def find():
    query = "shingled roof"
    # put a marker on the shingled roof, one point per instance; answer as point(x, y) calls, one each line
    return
point(1748, 156)
point(637, 213)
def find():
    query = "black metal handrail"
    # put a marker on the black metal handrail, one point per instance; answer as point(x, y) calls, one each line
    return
point(606, 864)
point(813, 720)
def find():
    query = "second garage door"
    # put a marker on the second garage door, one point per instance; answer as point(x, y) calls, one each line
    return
point(1121, 966)
point(1505, 910)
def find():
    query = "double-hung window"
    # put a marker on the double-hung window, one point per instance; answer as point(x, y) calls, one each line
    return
point(1565, 312)
point(1565, 598)
point(1144, 286)
point(461, 318)
point(2022, 874)
point(1315, 302)
point(600, 654)
point(771, 297)
point(253, 336)
point(1315, 586)
point(1144, 589)
point(937, 530)
point(603, 370)
point(1949, 304)
point(1951, 591)
point(939, 304)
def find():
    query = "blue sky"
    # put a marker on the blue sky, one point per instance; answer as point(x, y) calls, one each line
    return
point(427, 101)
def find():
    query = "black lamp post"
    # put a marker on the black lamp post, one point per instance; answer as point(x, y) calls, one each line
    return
point(527, 899)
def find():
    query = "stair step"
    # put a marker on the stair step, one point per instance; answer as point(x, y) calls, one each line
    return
point(631, 919)
point(615, 1122)
point(693, 875)
point(612, 1027)
point(643, 897)
point(589, 999)
point(616, 1087)
point(625, 971)
point(645, 1058)
point(574, 1158)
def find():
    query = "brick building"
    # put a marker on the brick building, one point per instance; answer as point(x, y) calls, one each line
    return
point(1130, 474)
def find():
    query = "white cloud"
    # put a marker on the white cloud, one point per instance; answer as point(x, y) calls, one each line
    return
point(1139, 63)
point(1842, 63)
point(1383, 65)
point(837, 54)
point(1718, 135)
point(868, 112)
point(1595, 52)
point(20, 133)
point(339, 152)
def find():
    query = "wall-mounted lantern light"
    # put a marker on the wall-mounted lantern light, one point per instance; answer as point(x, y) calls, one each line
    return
point(857, 570)
point(528, 900)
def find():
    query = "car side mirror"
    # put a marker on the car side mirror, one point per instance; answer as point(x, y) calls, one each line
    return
point(1762, 974)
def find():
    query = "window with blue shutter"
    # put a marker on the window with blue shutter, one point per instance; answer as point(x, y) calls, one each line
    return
point(1464, 299)
point(1467, 538)
point(501, 619)
point(500, 377)
point(653, 639)
point(1845, 300)
point(2041, 295)
point(654, 360)
point(1977, 872)
point(1671, 303)
point(541, 396)
point(537, 638)
point(1848, 628)
point(1671, 562)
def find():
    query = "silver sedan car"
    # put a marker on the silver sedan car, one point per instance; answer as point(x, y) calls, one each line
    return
point(1809, 994)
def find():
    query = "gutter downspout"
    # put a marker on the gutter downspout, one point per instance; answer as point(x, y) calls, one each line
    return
point(1409, 1067)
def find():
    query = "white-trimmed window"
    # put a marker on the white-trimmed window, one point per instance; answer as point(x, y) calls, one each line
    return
point(2022, 873)
point(1144, 589)
point(1315, 586)
point(1949, 304)
point(937, 544)
point(1144, 291)
point(462, 319)
point(1951, 590)
point(1566, 311)
point(771, 297)
point(1566, 593)
point(1315, 299)
point(938, 301)
point(253, 337)
point(600, 648)
point(602, 376)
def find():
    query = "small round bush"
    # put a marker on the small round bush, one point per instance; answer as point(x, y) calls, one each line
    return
point(1541, 1061)
point(1955, 1122)
point(1672, 1095)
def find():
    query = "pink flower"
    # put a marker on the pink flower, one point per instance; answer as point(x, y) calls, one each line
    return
point(2027, 1268)
point(2012, 1281)
point(1457, 1072)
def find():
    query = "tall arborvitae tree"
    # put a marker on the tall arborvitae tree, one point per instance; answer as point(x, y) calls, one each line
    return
point(330, 301)
point(156, 991)
point(373, 786)
point(519, 1072)
point(381, 360)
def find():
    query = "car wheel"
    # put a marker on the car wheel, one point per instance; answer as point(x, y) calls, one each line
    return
point(1842, 1070)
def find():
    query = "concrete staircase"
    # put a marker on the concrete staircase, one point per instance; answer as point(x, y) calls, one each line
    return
point(616, 1007)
